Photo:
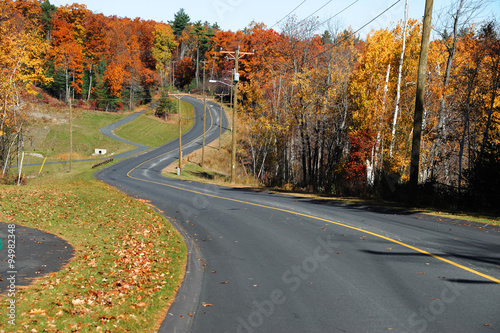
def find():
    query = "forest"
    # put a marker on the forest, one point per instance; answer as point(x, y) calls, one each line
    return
point(326, 112)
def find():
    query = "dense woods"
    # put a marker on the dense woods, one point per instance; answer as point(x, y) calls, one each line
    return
point(328, 112)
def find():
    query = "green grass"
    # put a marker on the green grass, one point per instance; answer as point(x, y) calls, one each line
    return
point(51, 138)
point(197, 173)
point(128, 264)
point(154, 132)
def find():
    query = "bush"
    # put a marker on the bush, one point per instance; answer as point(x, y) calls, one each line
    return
point(165, 106)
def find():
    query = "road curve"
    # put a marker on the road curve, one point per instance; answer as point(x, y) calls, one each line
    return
point(261, 262)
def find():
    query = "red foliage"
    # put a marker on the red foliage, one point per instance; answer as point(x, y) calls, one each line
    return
point(185, 72)
point(361, 149)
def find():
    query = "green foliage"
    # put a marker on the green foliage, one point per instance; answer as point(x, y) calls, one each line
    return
point(56, 87)
point(165, 106)
point(181, 20)
point(47, 10)
point(191, 86)
point(326, 38)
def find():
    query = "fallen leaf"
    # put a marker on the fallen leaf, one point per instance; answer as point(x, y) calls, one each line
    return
point(37, 311)
point(206, 304)
point(78, 302)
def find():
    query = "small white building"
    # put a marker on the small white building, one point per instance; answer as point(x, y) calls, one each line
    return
point(101, 151)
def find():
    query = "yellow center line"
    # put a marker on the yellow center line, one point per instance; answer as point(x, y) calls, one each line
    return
point(488, 277)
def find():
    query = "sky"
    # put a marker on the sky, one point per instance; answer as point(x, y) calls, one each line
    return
point(238, 14)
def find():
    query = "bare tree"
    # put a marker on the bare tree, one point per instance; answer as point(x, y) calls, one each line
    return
point(450, 22)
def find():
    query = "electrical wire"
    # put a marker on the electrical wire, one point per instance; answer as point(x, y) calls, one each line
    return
point(355, 32)
point(317, 10)
point(275, 24)
point(265, 58)
point(343, 10)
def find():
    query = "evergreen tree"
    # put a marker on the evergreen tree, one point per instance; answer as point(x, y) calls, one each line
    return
point(47, 10)
point(181, 20)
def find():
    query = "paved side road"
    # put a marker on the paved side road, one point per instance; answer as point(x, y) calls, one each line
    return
point(36, 253)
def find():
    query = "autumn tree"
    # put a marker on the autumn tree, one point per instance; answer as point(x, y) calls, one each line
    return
point(185, 72)
point(67, 51)
point(21, 65)
point(163, 45)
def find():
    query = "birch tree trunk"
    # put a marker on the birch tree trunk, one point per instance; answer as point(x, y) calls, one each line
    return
point(400, 71)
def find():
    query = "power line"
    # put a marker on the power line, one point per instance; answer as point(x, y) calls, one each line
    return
point(343, 10)
point(317, 10)
point(275, 24)
point(346, 37)
point(343, 39)
point(355, 32)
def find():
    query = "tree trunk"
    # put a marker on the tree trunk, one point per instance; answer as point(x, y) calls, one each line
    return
point(400, 72)
point(90, 84)
point(441, 126)
point(496, 79)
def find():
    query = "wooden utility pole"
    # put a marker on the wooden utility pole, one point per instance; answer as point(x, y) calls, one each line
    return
point(419, 104)
point(235, 99)
point(220, 121)
point(204, 117)
point(179, 113)
point(172, 67)
point(180, 135)
point(70, 135)
point(236, 81)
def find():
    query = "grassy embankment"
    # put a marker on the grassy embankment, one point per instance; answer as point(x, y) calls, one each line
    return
point(151, 131)
point(129, 260)
point(48, 134)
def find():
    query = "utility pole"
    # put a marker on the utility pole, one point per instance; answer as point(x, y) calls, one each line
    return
point(180, 135)
point(236, 80)
point(204, 117)
point(173, 73)
point(70, 135)
point(220, 121)
point(235, 99)
point(179, 113)
point(419, 104)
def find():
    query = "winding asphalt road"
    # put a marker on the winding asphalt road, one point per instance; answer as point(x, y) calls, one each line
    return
point(261, 262)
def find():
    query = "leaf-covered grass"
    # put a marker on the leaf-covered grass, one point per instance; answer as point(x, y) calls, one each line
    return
point(129, 260)
point(154, 132)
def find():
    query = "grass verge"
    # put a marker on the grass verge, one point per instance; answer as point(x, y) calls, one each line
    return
point(128, 264)
point(154, 132)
